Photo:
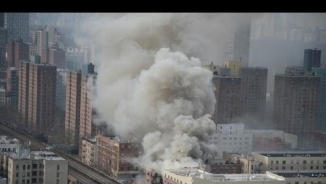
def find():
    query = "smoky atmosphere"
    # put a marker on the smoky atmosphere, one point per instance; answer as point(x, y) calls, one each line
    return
point(163, 98)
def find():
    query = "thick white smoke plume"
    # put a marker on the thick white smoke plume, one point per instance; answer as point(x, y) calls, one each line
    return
point(157, 96)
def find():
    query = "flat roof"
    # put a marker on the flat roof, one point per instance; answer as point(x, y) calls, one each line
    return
point(294, 154)
point(300, 174)
point(197, 173)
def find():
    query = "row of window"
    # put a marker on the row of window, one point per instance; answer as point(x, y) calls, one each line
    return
point(304, 162)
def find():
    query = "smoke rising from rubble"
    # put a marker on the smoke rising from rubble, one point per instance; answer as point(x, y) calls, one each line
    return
point(151, 86)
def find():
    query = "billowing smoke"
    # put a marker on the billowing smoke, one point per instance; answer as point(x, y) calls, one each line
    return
point(150, 91)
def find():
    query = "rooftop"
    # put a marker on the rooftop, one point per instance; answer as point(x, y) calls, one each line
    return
point(45, 155)
point(293, 154)
point(300, 174)
point(197, 173)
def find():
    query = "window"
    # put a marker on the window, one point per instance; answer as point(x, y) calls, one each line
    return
point(40, 166)
point(17, 167)
point(58, 175)
point(121, 168)
point(28, 167)
point(304, 162)
point(283, 162)
point(17, 174)
point(23, 174)
point(34, 166)
point(58, 181)
point(34, 173)
point(28, 174)
point(24, 167)
point(58, 167)
point(291, 167)
point(276, 161)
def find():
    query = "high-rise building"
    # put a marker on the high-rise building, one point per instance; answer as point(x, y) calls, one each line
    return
point(296, 103)
point(57, 56)
point(87, 112)
point(3, 47)
point(72, 117)
point(17, 25)
point(12, 85)
point(242, 41)
point(311, 59)
point(37, 96)
point(18, 51)
point(253, 91)
point(76, 57)
point(321, 123)
point(228, 99)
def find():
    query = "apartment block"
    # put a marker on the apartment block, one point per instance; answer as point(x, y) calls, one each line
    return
point(36, 104)
point(112, 156)
point(72, 117)
point(296, 103)
point(253, 91)
point(228, 99)
point(37, 167)
point(89, 152)
point(222, 166)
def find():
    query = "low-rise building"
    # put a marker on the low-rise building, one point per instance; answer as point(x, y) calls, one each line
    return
point(303, 177)
point(291, 160)
point(248, 164)
point(232, 138)
point(222, 166)
point(89, 152)
point(197, 176)
point(36, 167)
point(114, 155)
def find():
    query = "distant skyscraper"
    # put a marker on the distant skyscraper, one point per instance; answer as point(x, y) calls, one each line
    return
point(242, 42)
point(12, 85)
point(228, 98)
point(37, 106)
point(57, 56)
point(311, 59)
point(88, 68)
point(72, 117)
point(3, 42)
point(18, 51)
point(17, 25)
point(296, 103)
point(253, 91)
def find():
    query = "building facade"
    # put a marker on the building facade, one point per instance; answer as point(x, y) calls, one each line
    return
point(232, 138)
point(234, 66)
point(37, 87)
point(18, 51)
point(296, 103)
point(253, 91)
point(57, 56)
point(321, 123)
point(311, 59)
point(3, 47)
point(37, 167)
point(113, 154)
point(17, 25)
point(72, 117)
point(228, 99)
point(12, 85)
point(241, 44)
point(89, 152)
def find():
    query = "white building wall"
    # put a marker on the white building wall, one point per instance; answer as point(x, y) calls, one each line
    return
point(55, 171)
point(232, 138)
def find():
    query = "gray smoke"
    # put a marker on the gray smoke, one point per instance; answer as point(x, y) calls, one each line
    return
point(149, 90)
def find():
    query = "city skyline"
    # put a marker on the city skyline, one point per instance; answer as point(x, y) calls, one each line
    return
point(139, 96)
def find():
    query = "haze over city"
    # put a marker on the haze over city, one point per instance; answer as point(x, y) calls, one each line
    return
point(163, 98)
